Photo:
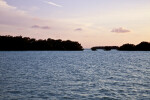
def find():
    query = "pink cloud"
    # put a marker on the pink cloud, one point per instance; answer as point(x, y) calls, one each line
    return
point(120, 30)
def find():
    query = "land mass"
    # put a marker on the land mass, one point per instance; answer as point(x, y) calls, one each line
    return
point(143, 46)
point(19, 43)
point(107, 48)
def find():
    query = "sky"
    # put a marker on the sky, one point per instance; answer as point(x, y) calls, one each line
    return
point(90, 22)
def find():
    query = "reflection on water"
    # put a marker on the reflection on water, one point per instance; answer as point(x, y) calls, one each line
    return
point(81, 75)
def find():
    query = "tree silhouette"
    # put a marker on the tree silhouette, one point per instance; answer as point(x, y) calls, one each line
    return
point(129, 47)
point(20, 43)
point(143, 46)
point(107, 48)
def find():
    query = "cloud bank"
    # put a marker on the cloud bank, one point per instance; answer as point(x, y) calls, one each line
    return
point(14, 17)
point(10, 15)
point(120, 30)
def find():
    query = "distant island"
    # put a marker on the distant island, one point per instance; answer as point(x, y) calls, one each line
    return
point(143, 46)
point(107, 48)
point(19, 43)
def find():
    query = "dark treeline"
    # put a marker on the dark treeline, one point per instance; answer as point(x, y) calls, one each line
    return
point(143, 46)
point(104, 47)
point(19, 43)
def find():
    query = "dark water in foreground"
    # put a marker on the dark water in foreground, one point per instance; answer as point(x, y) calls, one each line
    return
point(70, 75)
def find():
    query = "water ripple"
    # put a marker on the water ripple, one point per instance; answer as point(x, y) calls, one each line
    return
point(84, 75)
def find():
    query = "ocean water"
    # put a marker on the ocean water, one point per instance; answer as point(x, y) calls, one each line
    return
point(75, 75)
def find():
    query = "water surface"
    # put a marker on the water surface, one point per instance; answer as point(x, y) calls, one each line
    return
point(74, 75)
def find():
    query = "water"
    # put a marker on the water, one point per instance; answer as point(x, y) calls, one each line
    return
point(75, 75)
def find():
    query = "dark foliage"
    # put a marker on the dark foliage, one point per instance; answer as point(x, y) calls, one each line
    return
point(143, 46)
point(19, 43)
point(128, 47)
point(107, 48)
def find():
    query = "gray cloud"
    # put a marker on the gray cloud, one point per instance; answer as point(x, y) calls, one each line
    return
point(40, 27)
point(45, 27)
point(35, 26)
point(120, 30)
point(79, 29)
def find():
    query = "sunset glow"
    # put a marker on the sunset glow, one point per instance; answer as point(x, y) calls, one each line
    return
point(90, 22)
